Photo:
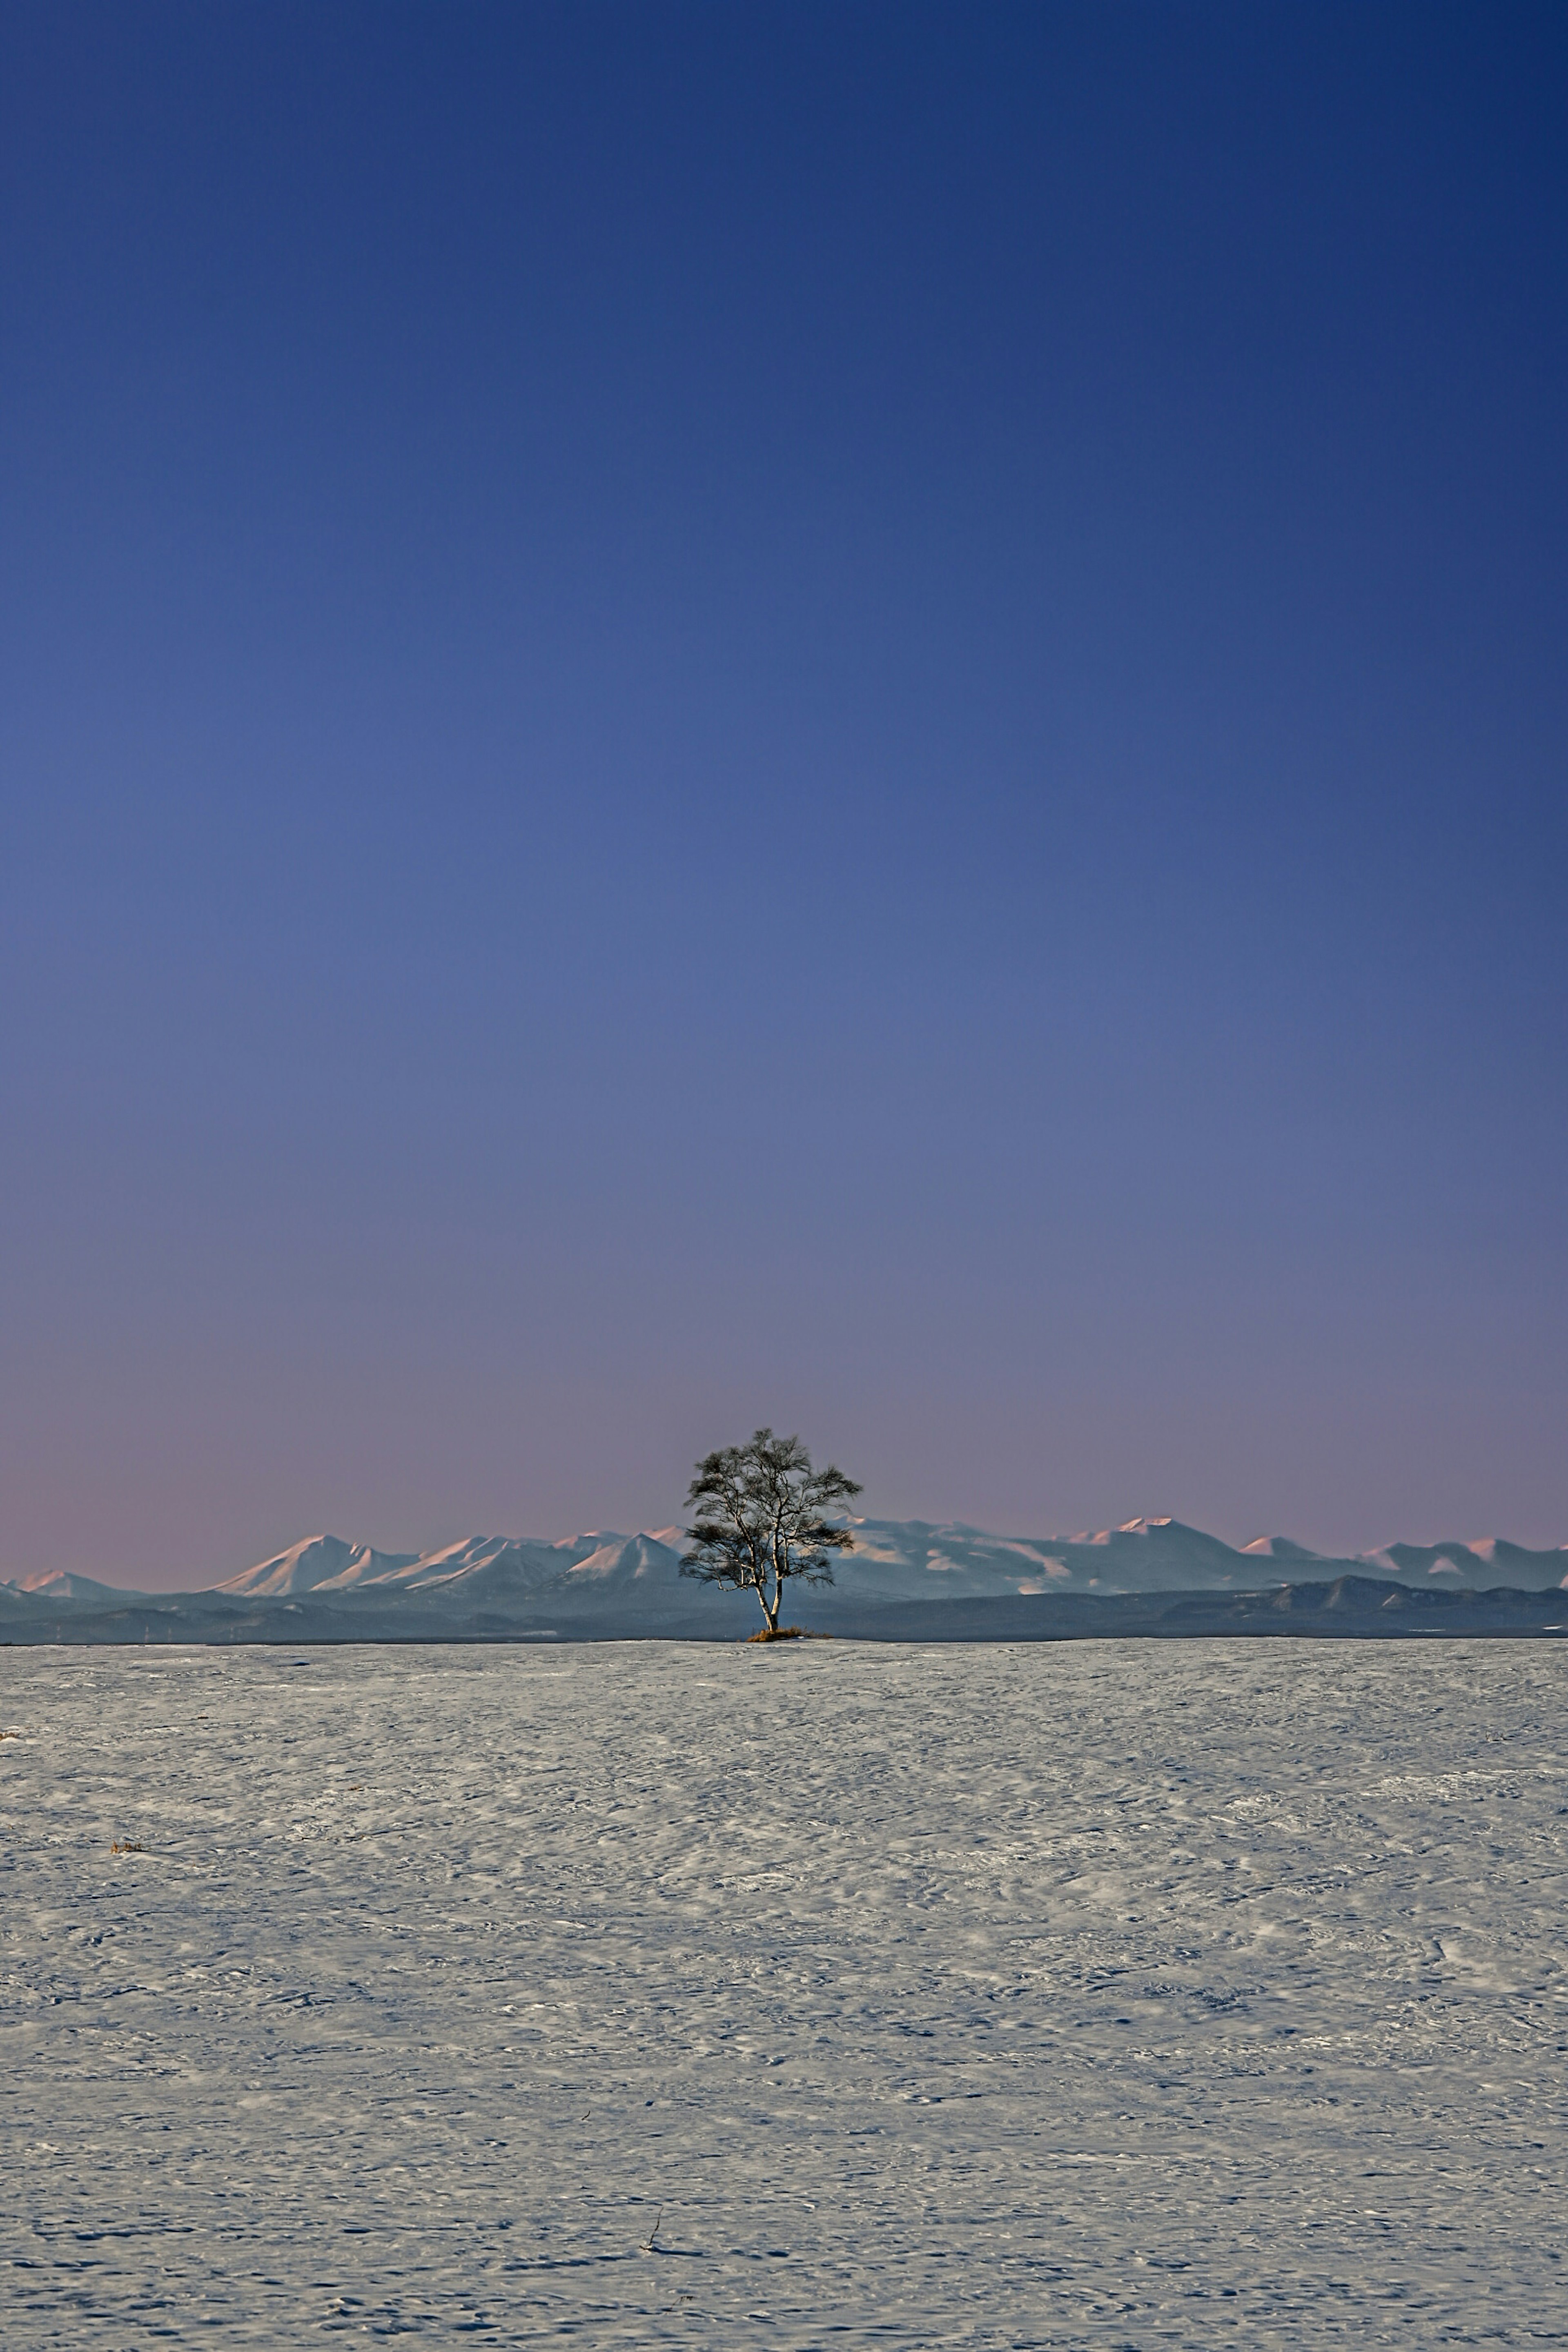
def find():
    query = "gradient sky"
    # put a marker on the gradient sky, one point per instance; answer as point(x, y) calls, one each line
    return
point(851, 716)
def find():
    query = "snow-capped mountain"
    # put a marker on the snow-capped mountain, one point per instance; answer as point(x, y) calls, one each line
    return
point(327, 1564)
point(892, 1561)
point(1490, 1559)
point(603, 1583)
point(62, 1584)
point(319, 1563)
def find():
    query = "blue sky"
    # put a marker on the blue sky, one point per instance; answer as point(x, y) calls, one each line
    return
point(851, 716)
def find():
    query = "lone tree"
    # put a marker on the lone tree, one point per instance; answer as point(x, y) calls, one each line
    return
point(758, 1519)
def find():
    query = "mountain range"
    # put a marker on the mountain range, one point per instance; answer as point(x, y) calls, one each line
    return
point(930, 1580)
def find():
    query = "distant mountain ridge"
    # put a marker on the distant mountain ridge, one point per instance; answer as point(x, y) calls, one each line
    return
point(602, 1581)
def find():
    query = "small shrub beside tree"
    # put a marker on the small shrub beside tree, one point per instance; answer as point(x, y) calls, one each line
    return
point(759, 1521)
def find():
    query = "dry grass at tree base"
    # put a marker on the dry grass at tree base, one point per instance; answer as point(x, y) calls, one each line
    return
point(787, 1634)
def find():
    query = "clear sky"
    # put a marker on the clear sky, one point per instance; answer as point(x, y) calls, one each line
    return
point(845, 715)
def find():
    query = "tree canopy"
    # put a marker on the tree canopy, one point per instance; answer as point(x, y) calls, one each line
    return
point(758, 1519)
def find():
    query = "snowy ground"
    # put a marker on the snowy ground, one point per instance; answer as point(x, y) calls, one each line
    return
point(1121, 1995)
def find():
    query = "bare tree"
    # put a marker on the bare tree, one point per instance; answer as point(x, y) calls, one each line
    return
point(758, 1519)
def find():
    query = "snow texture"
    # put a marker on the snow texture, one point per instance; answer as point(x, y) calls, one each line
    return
point(1109, 1994)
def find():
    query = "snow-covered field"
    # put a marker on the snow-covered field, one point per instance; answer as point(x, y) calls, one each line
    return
point(1123, 1995)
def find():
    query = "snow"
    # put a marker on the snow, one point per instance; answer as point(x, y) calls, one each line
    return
point(1110, 1994)
point(319, 1563)
point(61, 1584)
point(893, 1560)
point(1489, 1560)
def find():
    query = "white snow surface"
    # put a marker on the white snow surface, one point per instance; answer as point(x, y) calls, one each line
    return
point(641, 1994)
